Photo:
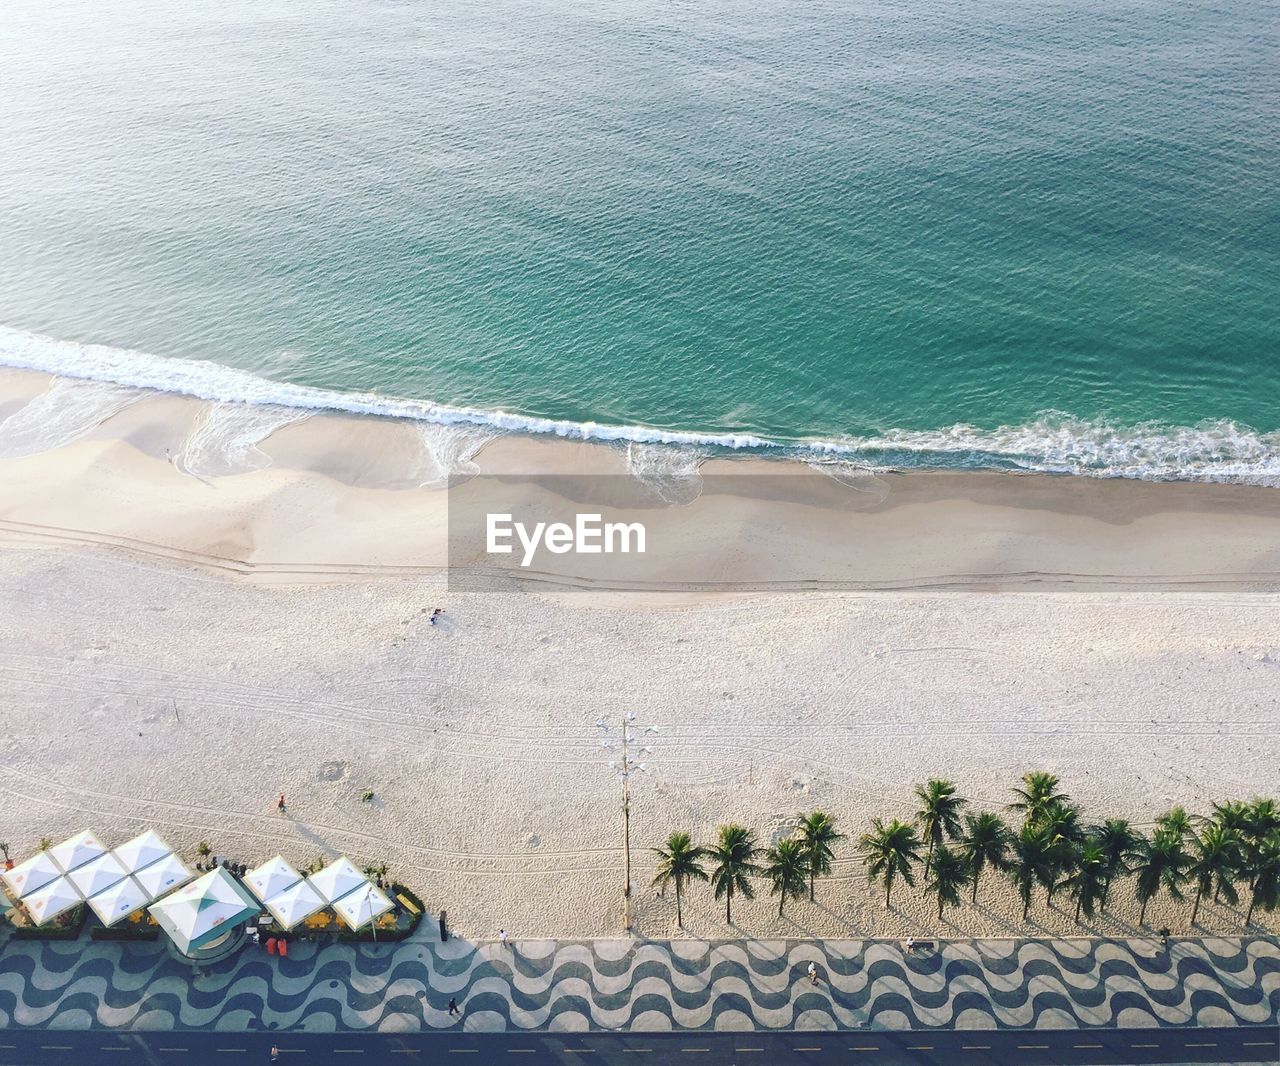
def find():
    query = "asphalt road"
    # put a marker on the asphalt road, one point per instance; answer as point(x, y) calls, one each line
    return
point(1062, 1047)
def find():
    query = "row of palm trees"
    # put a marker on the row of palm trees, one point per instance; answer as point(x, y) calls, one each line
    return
point(1048, 846)
point(1052, 848)
point(791, 866)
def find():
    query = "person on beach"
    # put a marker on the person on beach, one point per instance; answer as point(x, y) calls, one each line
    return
point(435, 615)
point(453, 1007)
point(502, 937)
point(280, 804)
point(911, 945)
point(813, 974)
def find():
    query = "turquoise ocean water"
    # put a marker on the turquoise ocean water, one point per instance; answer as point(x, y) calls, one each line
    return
point(1040, 234)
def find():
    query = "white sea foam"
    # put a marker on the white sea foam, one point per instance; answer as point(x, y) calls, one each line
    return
point(225, 440)
point(64, 412)
point(669, 472)
point(1210, 451)
point(449, 450)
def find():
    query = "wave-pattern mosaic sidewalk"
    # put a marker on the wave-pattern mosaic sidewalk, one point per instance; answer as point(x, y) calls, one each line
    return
point(620, 984)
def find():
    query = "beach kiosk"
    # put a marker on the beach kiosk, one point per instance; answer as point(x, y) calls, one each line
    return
point(206, 919)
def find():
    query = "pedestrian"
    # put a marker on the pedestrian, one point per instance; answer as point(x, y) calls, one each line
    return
point(435, 615)
point(275, 1053)
point(502, 936)
point(911, 945)
point(813, 974)
point(453, 1007)
point(280, 803)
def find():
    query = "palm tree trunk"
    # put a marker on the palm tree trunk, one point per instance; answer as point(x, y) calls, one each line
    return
point(1142, 912)
point(811, 877)
point(1106, 890)
point(728, 906)
point(679, 912)
point(1195, 907)
point(782, 898)
point(939, 907)
point(888, 887)
point(1248, 915)
point(1078, 910)
point(974, 900)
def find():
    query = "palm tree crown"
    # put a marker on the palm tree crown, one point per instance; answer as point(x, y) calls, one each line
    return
point(1215, 860)
point(986, 843)
point(818, 833)
point(888, 852)
point(679, 862)
point(734, 854)
point(939, 814)
point(1037, 791)
point(1034, 863)
point(947, 878)
point(1162, 863)
point(1121, 845)
point(787, 868)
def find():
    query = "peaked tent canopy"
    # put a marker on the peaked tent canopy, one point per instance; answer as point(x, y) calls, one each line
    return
point(119, 901)
point(98, 875)
point(142, 851)
point(161, 876)
point(205, 910)
point(76, 851)
point(337, 879)
point(357, 909)
point(271, 878)
point(47, 903)
point(31, 874)
point(295, 903)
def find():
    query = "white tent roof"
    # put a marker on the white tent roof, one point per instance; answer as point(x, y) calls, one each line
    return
point(76, 851)
point(97, 875)
point(271, 878)
point(161, 876)
point(142, 851)
point(360, 907)
point(32, 873)
point(295, 903)
point(202, 911)
point(47, 903)
point(337, 879)
point(119, 901)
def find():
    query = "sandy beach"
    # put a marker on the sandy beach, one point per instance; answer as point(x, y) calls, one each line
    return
point(177, 649)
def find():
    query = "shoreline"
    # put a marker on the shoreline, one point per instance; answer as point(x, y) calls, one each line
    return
point(341, 497)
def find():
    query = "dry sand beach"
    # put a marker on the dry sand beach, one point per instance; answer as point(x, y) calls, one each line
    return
point(178, 649)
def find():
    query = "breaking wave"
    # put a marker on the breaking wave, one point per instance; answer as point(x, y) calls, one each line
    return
point(1056, 443)
point(225, 440)
point(66, 411)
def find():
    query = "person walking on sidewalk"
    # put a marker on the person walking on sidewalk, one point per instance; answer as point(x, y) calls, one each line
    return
point(813, 974)
point(453, 1007)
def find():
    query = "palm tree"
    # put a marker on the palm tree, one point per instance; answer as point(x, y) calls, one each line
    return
point(1215, 859)
point(818, 833)
point(1264, 874)
point(679, 862)
point(1061, 820)
point(986, 843)
point(888, 852)
point(1034, 863)
point(948, 877)
point(1088, 880)
point(734, 854)
point(1121, 844)
point(1178, 821)
point(1232, 815)
point(1261, 820)
point(787, 868)
point(939, 814)
point(1162, 863)
point(1038, 790)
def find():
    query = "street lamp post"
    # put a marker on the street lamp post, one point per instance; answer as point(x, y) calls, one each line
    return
point(627, 734)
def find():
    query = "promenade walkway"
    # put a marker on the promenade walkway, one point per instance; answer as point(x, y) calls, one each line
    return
point(646, 985)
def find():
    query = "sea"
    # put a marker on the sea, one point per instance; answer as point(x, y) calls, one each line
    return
point(988, 234)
